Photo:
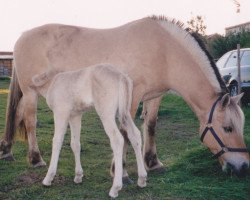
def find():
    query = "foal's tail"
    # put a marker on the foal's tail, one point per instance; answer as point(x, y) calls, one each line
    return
point(125, 99)
point(41, 79)
point(14, 98)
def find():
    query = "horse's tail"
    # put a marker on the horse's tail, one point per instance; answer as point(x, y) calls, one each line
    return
point(125, 99)
point(41, 79)
point(14, 98)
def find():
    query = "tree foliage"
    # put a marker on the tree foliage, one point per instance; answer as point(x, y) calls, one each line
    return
point(197, 25)
point(218, 44)
point(222, 44)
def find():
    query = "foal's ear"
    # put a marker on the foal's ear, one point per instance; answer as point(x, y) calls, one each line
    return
point(236, 99)
point(225, 101)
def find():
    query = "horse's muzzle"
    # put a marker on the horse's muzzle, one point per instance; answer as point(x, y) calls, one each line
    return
point(239, 171)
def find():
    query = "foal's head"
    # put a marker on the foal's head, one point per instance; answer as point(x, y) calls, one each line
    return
point(223, 134)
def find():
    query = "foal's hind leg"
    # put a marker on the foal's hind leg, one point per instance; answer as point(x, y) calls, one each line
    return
point(149, 148)
point(125, 176)
point(29, 118)
point(60, 119)
point(134, 137)
point(75, 127)
point(117, 142)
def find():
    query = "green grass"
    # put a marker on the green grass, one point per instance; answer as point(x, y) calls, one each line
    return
point(191, 172)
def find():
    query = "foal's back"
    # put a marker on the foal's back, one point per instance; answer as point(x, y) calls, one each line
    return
point(81, 89)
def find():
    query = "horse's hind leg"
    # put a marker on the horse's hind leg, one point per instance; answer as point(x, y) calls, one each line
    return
point(75, 127)
point(149, 148)
point(5, 146)
point(29, 117)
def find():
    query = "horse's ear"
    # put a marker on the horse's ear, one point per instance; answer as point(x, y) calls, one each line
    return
point(236, 99)
point(225, 101)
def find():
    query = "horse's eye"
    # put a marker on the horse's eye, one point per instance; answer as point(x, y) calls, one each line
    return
point(228, 129)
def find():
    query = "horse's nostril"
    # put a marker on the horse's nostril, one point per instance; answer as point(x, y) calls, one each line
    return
point(244, 169)
point(230, 167)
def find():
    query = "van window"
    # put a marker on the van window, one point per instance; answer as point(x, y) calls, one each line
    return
point(245, 60)
point(221, 62)
point(232, 61)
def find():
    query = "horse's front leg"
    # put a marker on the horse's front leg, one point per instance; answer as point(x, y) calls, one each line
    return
point(151, 108)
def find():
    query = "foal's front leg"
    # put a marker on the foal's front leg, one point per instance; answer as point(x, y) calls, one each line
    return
point(75, 127)
point(61, 123)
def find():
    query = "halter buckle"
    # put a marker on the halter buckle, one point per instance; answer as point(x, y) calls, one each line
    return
point(209, 125)
point(225, 149)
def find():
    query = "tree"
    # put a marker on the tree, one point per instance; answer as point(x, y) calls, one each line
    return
point(197, 25)
point(223, 44)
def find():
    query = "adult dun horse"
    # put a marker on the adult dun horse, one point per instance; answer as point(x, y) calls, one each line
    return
point(158, 55)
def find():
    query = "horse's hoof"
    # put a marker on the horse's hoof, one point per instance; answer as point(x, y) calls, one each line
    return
point(40, 164)
point(159, 170)
point(7, 157)
point(127, 181)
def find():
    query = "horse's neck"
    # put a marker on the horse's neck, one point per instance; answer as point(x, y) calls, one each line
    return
point(196, 90)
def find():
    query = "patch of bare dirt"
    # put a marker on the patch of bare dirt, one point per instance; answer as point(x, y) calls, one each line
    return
point(29, 178)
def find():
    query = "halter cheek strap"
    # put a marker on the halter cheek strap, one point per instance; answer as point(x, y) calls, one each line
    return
point(210, 128)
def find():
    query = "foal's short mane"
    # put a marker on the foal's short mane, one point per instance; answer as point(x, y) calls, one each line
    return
point(188, 35)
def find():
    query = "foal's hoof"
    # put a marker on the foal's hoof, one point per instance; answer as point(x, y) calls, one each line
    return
point(113, 194)
point(46, 183)
point(114, 191)
point(127, 181)
point(7, 157)
point(78, 179)
point(142, 182)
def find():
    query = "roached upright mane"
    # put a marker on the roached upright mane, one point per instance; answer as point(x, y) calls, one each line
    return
point(202, 45)
point(196, 37)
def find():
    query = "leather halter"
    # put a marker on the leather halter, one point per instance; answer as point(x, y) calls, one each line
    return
point(210, 128)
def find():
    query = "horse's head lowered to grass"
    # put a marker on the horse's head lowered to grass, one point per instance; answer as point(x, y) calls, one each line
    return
point(201, 86)
point(223, 134)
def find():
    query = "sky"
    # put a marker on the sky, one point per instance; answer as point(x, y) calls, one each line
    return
point(18, 16)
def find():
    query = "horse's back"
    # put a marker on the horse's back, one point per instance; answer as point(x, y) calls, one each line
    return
point(131, 47)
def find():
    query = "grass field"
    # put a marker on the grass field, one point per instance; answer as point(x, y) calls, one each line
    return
point(191, 172)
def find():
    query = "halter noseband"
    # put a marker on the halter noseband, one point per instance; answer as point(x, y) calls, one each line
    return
point(209, 126)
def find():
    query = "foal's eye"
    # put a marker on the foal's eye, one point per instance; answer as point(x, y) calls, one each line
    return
point(228, 129)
